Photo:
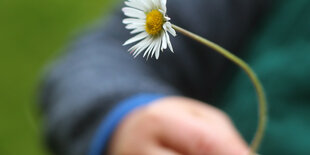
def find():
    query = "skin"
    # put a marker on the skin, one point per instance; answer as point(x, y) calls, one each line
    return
point(177, 126)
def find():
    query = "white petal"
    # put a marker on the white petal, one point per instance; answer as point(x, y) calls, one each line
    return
point(157, 46)
point(133, 20)
point(131, 12)
point(138, 29)
point(142, 45)
point(147, 4)
point(168, 27)
point(158, 50)
point(163, 5)
point(149, 49)
point(164, 41)
point(168, 41)
point(137, 46)
point(134, 25)
point(136, 4)
point(164, 2)
point(167, 18)
point(156, 3)
point(136, 38)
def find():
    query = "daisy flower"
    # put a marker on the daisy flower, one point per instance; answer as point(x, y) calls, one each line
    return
point(148, 19)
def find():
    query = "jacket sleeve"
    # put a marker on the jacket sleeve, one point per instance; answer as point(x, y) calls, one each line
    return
point(96, 72)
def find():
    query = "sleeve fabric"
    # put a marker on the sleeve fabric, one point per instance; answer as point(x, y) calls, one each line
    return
point(96, 73)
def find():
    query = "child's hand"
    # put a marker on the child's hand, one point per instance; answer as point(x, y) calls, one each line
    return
point(176, 125)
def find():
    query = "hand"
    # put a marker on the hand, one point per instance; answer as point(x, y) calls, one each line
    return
point(177, 126)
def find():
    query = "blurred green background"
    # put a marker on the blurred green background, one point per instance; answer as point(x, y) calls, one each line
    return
point(32, 32)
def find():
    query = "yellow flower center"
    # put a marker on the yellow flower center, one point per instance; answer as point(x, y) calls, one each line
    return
point(154, 22)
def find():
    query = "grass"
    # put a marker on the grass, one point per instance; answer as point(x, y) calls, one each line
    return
point(31, 34)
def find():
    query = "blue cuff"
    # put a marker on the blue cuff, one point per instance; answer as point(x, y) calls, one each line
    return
point(109, 124)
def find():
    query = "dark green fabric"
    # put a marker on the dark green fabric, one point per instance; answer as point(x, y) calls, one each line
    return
point(280, 55)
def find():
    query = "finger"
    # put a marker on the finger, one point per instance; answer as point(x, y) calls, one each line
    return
point(227, 139)
point(196, 108)
point(221, 124)
point(200, 109)
point(161, 150)
point(188, 135)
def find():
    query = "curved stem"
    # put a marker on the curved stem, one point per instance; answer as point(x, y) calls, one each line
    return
point(258, 87)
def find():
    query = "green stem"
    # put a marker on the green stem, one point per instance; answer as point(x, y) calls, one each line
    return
point(258, 87)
